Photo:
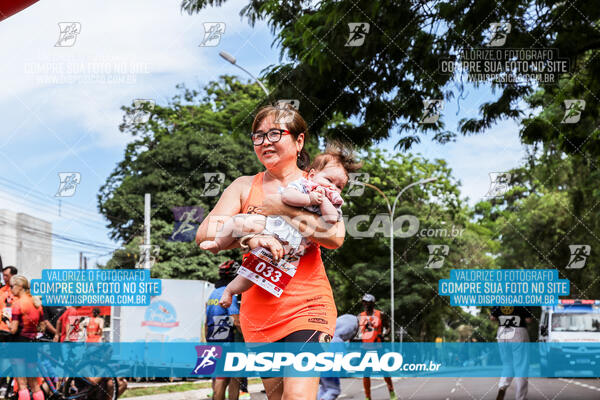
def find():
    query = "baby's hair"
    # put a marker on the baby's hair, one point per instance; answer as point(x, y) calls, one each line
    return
point(337, 153)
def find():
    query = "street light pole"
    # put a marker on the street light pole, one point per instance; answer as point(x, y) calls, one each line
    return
point(228, 57)
point(147, 264)
point(391, 210)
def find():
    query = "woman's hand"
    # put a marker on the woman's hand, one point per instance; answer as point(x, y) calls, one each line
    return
point(272, 204)
point(268, 242)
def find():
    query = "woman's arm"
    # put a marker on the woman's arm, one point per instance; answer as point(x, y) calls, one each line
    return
point(228, 205)
point(47, 326)
point(58, 329)
point(14, 327)
point(312, 226)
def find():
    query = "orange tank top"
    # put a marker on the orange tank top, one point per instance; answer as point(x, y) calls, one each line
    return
point(371, 326)
point(5, 310)
point(306, 303)
point(92, 329)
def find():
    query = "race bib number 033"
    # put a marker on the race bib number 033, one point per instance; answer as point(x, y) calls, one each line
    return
point(260, 268)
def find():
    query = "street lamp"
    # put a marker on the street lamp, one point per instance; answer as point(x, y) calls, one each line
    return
point(391, 210)
point(228, 57)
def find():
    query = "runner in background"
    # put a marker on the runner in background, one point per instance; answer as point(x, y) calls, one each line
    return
point(52, 314)
point(220, 325)
point(77, 327)
point(95, 327)
point(346, 327)
point(374, 325)
point(512, 328)
point(71, 326)
point(5, 335)
point(61, 325)
point(6, 299)
point(27, 320)
point(239, 338)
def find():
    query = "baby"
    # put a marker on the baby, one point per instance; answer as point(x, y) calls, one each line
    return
point(319, 193)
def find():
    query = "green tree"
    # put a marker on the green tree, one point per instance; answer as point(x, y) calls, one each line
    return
point(362, 264)
point(206, 131)
point(545, 124)
point(552, 204)
point(198, 131)
point(382, 83)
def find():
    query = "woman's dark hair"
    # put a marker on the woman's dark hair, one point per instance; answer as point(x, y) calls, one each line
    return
point(286, 114)
point(96, 312)
point(13, 270)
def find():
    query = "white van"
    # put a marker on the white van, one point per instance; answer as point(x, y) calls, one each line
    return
point(575, 322)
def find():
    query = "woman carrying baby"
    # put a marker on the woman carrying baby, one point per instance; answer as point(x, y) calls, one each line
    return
point(306, 311)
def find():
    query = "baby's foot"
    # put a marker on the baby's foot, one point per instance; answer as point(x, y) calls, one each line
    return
point(226, 299)
point(210, 245)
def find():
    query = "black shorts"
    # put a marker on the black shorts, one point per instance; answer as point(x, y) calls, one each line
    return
point(6, 336)
point(306, 336)
point(302, 336)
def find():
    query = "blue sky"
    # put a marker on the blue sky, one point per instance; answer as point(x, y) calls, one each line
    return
point(72, 126)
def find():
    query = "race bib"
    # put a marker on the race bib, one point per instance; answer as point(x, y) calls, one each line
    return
point(506, 333)
point(76, 328)
point(260, 268)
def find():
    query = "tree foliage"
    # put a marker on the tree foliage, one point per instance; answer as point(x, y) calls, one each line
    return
point(201, 131)
point(362, 265)
point(198, 131)
point(382, 84)
point(552, 205)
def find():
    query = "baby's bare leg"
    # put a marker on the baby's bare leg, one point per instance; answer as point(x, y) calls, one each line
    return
point(237, 286)
point(328, 211)
point(235, 227)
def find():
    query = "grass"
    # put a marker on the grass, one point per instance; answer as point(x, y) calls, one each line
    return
point(184, 387)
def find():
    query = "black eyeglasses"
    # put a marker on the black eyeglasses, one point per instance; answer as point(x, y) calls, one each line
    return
point(274, 135)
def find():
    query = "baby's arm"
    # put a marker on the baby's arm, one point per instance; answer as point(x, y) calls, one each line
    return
point(293, 197)
point(237, 286)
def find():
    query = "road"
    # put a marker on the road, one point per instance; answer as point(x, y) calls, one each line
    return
point(472, 388)
point(437, 388)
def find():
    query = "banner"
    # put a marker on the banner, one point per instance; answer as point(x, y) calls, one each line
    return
point(217, 359)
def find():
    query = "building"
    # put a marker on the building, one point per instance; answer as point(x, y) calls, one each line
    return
point(25, 242)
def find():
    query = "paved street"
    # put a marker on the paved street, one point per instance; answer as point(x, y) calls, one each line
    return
point(473, 388)
point(437, 388)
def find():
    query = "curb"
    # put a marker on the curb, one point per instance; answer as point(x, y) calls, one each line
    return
point(197, 394)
